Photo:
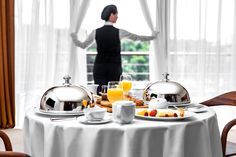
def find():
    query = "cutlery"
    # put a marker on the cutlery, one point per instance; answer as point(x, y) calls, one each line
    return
point(62, 118)
point(173, 107)
point(187, 107)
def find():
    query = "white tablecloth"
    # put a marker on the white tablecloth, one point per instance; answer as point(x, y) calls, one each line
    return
point(196, 137)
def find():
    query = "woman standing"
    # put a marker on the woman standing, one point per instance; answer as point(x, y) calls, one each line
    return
point(107, 66)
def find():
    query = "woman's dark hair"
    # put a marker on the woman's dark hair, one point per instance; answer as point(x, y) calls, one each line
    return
point(107, 12)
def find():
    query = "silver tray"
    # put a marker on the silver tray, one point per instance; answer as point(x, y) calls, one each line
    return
point(58, 113)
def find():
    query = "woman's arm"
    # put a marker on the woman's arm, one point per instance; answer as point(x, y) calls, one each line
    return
point(86, 43)
point(128, 35)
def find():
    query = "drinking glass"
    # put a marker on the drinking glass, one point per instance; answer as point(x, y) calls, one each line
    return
point(104, 92)
point(126, 83)
point(114, 92)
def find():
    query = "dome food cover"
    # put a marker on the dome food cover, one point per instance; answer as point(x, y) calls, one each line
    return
point(66, 98)
point(173, 92)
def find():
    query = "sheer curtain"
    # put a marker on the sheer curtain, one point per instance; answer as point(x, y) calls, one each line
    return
point(77, 58)
point(158, 57)
point(202, 46)
point(44, 50)
point(195, 44)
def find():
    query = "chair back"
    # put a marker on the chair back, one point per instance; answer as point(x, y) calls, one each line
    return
point(9, 152)
point(229, 99)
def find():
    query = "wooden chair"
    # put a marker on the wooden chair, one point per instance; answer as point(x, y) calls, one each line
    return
point(9, 152)
point(228, 148)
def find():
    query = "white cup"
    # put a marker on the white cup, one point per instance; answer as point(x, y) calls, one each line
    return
point(123, 111)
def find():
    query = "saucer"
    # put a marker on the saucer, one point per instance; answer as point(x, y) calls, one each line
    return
point(198, 109)
point(84, 120)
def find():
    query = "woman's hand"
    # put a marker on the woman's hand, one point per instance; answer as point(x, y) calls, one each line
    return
point(154, 34)
point(73, 36)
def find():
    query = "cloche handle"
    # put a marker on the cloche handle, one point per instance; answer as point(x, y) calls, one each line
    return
point(165, 77)
point(67, 80)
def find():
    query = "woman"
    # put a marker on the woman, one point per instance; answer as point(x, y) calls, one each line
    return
point(107, 66)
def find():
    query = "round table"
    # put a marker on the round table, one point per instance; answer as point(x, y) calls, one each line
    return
point(195, 137)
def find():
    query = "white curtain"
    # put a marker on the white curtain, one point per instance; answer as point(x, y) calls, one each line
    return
point(195, 45)
point(44, 52)
point(158, 56)
point(202, 45)
point(77, 59)
point(233, 59)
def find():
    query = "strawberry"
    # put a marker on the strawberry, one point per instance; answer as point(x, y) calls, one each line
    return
point(153, 113)
point(146, 114)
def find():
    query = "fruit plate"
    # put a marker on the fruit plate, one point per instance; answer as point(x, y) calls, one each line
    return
point(187, 115)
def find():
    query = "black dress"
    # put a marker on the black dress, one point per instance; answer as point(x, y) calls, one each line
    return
point(107, 66)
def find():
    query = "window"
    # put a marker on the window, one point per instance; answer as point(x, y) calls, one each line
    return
point(200, 45)
point(135, 55)
point(135, 60)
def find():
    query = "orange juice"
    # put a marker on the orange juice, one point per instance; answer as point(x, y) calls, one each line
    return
point(114, 94)
point(126, 85)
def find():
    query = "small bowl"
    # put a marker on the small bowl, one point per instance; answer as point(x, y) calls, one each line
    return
point(158, 103)
point(95, 113)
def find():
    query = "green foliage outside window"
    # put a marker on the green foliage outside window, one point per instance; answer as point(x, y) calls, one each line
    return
point(135, 64)
point(127, 45)
point(136, 46)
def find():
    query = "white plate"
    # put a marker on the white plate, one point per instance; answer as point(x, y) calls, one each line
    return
point(172, 104)
point(58, 113)
point(187, 114)
point(84, 120)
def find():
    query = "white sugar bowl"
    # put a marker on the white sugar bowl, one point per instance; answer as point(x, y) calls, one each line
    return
point(158, 103)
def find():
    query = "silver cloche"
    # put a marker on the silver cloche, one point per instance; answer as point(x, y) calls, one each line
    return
point(173, 92)
point(66, 98)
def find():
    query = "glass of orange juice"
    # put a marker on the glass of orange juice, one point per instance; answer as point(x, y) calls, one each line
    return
point(114, 92)
point(126, 83)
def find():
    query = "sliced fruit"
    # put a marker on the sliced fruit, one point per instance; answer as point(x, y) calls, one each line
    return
point(153, 113)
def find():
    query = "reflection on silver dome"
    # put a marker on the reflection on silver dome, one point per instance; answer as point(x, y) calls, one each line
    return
point(66, 98)
point(173, 92)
